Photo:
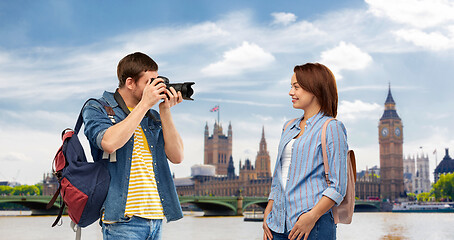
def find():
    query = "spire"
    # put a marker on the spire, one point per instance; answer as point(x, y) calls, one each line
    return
point(262, 146)
point(447, 154)
point(390, 107)
point(389, 99)
point(231, 169)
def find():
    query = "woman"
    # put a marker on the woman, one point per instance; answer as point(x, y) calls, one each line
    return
point(300, 199)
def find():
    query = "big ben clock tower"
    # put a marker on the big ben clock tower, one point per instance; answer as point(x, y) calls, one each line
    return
point(391, 154)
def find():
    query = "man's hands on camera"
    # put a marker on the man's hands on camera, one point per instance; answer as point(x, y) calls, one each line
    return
point(153, 92)
point(172, 98)
point(156, 90)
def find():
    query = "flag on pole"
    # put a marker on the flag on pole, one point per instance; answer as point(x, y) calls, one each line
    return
point(215, 109)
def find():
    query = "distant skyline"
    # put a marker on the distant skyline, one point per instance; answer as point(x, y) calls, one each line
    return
point(56, 54)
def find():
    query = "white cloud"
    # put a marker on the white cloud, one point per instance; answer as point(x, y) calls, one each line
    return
point(434, 41)
point(29, 150)
point(3, 57)
point(242, 102)
point(345, 56)
point(366, 156)
point(417, 13)
point(262, 118)
point(248, 56)
point(283, 18)
point(421, 22)
point(358, 109)
point(40, 117)
point(14, 157)
point(171, 39)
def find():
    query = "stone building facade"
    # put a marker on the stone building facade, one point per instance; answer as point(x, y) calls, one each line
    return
point(368, 184)
point(218, 148)
point(217, 177)
point(416, 174)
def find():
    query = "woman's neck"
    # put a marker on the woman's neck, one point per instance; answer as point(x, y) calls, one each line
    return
point(308, 113)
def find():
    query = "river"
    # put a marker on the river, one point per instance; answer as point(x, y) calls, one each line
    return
point(370, 226)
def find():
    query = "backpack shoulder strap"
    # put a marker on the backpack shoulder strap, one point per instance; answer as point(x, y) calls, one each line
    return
point(107, 107)
point(110, 114)
point(109, 110)
point(324, 150)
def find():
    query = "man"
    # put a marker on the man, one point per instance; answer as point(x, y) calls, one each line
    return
point(139, 141)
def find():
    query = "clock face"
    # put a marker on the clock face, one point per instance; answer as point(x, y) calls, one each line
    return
point(384, 132)
point(397, 131)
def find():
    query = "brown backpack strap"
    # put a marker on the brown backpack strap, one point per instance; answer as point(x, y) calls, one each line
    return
point(59, 214)
point(324, 150)
point(54, 198)
point(351, 154)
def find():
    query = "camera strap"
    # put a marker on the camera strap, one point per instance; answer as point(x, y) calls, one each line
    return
point(123, 106)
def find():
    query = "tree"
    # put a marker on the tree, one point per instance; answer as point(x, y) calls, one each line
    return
point(5, 190)
point(25, 190)
point(444, 187)
point(424, 197)
point(40, 188)
point(411, 196)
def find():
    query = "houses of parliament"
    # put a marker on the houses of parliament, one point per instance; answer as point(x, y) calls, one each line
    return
point(217, 177)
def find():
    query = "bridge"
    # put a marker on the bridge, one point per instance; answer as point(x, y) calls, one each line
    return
point(211, 205)
point(369, 206)
point(224, 206)
point(37, 204)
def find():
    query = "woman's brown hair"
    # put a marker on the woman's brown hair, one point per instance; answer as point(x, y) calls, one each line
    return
point(317, 79)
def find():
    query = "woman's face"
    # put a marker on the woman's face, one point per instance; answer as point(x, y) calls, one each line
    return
point(301, 98)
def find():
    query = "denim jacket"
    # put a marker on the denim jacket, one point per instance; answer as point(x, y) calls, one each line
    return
point(96, 123)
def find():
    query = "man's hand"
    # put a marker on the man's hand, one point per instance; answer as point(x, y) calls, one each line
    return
point(303, 226)
point(174, 151)
point(153, 92)
point(173, 98)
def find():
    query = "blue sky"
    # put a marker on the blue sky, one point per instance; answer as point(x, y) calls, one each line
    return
point(56, 54)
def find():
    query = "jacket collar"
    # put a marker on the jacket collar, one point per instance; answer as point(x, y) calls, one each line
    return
point(109, 97)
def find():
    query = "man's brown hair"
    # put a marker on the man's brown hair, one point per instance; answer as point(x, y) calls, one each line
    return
point(317, 79)
point(133, 66)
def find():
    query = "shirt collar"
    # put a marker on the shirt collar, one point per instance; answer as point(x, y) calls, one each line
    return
point(309, 122)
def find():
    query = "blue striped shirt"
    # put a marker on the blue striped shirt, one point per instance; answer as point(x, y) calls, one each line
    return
point(306, 182)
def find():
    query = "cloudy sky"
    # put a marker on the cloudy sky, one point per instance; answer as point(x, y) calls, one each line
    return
point(56, 54)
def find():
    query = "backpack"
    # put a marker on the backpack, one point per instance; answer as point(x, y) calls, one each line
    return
point(82, 185)
point(344, 212)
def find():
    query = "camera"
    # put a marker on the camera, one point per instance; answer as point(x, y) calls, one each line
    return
point(185, 88)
